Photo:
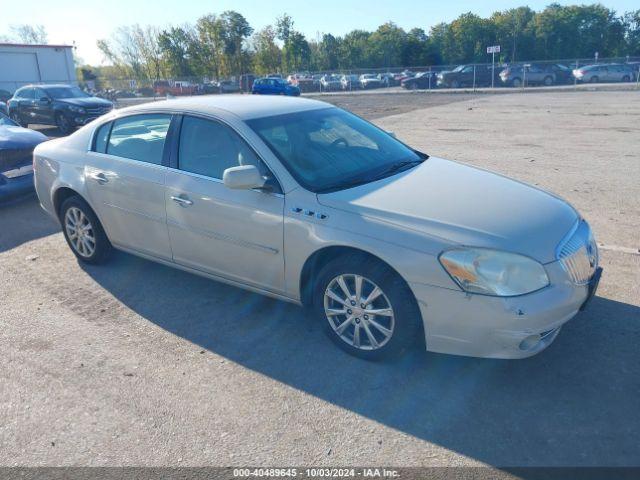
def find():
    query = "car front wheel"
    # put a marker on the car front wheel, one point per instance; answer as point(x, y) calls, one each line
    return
point(366, 309)
point(83, 231)
point(63, 124)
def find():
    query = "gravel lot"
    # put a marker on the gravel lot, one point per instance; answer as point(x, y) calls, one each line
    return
point(139, 364)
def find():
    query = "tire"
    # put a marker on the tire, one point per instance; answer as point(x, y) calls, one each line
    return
point(74, 210)
point(455, 84)
point(594, 79)
point(403, 325)
point(414, 86)
point(548, 81)
point(626, 78)
point(516, 83)
point(64, 125)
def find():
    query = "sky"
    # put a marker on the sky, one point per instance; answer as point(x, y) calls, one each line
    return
point(82, 22)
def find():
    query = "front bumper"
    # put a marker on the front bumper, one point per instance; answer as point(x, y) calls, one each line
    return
point(500, 327)
point(16, 184)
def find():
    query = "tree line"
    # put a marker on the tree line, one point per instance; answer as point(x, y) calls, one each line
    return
point(223, 45)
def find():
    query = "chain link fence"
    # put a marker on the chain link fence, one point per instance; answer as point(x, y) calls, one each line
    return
point(519, 75)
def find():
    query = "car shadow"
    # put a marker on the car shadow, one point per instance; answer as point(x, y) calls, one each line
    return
point(573, 405)
point(22, 220)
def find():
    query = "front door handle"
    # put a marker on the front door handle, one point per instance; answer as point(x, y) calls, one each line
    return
point(182, 200)
point(101, 178)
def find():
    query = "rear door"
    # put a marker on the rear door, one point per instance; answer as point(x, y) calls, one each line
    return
point(25, 105)
point(125, 176)
point(236, 234)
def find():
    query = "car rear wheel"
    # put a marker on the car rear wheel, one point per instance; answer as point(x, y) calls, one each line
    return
point(366, 309)
point(83, 231)
point(626, 78)
point(548, 81)
point(63, 124)
point(516, 82)
point(594, 79)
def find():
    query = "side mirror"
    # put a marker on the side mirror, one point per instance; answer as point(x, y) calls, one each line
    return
point(244, 177)
point(392, 134)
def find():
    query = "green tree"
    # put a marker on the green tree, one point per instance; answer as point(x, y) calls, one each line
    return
point(515, 32)
point(632, 32)
point(210, 56)
point(175, 44)
point(236, 31)
point(385, 45)
point(267, 54)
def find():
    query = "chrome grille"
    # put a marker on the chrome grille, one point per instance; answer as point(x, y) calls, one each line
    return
point(579, 254)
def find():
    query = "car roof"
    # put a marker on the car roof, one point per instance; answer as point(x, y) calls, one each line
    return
point(48, 85)
point(245, 107)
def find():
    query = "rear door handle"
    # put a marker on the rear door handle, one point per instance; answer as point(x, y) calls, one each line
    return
point(182, 200)
point(101, 178)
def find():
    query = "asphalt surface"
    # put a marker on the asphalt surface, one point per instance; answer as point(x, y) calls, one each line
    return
point(134, 363)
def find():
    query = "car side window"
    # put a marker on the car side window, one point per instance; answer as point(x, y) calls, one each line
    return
point(26, 94)
point(208, 148)
point(101, 138)
point(39, 93)
point(139, 137)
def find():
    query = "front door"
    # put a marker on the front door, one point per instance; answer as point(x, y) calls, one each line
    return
point(237, 234)
point(42, 110)
point(125, 179)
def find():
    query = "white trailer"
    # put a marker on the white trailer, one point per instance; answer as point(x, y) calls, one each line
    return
point(22, 64)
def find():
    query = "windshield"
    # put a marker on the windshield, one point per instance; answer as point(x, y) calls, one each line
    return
point(66, 92)
point(330, 149)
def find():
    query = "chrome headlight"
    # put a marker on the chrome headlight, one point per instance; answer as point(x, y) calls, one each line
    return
point(75, 109)
point(492, 272)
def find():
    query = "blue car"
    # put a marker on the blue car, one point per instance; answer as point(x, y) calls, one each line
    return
point(274, 86)
point(16, 152)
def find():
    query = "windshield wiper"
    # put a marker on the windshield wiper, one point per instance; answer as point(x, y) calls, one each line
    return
point(387, 172)
point(397, 167)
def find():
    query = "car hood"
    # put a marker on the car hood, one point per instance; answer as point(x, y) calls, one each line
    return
point(464, 205)
point(86, 102)
point(15, 138)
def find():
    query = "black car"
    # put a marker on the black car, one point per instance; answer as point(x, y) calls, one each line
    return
point(64, 106)
point(16, 151)
point(464, 76)
point(422, 80)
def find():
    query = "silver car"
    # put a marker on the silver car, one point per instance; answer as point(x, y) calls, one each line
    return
point(305, 202)
point(604, 73)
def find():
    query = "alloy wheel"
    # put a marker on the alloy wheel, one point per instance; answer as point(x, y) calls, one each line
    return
point(359, 312)
point(80, 232)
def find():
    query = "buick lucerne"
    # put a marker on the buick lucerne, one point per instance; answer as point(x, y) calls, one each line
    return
point(305, 202)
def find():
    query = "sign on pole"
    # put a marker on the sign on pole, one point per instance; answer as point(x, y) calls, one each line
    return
point(493, 50)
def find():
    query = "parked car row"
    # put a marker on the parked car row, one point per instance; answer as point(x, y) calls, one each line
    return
point(468, 75)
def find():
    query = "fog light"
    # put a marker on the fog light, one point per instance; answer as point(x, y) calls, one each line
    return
point(530, 342)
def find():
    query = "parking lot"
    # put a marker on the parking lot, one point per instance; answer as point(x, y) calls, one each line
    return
point(134, 363)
